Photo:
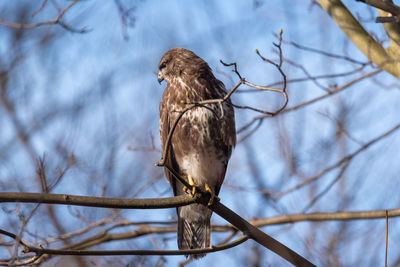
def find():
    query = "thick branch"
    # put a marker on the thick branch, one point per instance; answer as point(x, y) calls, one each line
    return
point(259, 236)
point(360, 37)
point(384, 5)
point(393, 32)
point(101, 202)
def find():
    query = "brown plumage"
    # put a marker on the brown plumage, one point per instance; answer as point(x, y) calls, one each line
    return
point(202, 141)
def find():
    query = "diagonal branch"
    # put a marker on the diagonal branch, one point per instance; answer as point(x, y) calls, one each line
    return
point(360, 37)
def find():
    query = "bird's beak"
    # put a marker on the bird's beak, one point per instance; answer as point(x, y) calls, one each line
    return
point(160, 77)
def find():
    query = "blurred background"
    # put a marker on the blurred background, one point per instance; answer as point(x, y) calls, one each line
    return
point(79, 115)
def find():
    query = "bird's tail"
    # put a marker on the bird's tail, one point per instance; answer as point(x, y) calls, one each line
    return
point(194, 233)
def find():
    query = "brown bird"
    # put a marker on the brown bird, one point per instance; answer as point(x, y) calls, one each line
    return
point(202, 142)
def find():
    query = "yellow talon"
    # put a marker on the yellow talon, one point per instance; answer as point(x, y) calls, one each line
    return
point(192, 184)
point(208, 189)
point(184, 188)
point(213, 196)
point(190, 179)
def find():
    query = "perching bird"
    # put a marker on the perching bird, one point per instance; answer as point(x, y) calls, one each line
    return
point(202, 141)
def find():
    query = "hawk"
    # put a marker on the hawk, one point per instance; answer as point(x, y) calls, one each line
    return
point(202, 141)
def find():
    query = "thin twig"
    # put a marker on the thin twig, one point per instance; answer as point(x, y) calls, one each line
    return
point(328, 187)
point(40, 8)
point(331, 55)
point(57, 20)
point(314, 100)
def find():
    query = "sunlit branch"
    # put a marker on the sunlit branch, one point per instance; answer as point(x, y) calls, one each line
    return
point(361, 38)
point(387, 6)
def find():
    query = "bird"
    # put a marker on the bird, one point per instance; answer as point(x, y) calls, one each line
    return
point(202, 141)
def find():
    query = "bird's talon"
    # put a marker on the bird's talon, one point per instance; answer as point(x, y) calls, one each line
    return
point(190, 179)
point(209, 190)
point(192, 184)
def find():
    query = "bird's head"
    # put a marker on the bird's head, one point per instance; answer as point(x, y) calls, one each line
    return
point(177, 62)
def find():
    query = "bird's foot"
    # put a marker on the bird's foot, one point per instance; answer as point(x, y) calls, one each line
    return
point(213, 196)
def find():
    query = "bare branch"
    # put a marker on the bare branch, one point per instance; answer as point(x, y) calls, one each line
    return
point(324, 53)
point(40, 8)
point(387, 6)
point(57, 20)
point(101, 202)
point(42, 251)
point(258, 235)
point(238, 222)
point(327, 216)
point(314, 100)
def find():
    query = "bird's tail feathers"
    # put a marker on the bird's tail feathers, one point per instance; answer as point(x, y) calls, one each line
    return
point(193, 234)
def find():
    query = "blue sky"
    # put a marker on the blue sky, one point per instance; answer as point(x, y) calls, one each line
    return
point(74, 68)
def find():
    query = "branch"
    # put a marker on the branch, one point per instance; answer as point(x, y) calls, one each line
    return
point(283, 219)
point(312, 101)
point(258, 235)
point(334, 91)
point(360, 37)
point(387, 6)
point(238, 222)
point(145, 228)
point(100, 202)
point(393, 32)
point(324, 53)
point(57, 20)
point(327, 216)
point(41, 251)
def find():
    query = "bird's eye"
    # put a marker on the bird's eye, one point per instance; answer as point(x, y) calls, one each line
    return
point(162, 65)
